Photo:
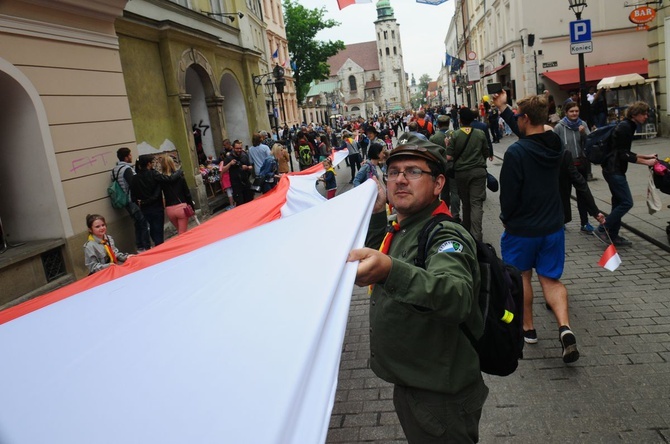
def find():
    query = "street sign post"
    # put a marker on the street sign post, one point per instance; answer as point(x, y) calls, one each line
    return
point(580, 31)
point(581, 48)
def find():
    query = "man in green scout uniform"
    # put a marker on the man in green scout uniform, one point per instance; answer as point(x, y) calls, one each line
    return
point(416, 341)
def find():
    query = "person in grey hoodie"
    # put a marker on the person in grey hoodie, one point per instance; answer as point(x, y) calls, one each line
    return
point(573, 131)
point(532, 213)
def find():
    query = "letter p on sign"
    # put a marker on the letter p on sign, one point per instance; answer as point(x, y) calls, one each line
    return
point(580, 31)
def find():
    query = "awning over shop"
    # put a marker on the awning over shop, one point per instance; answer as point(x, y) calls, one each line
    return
point(569, 78)
point(619, 81)
point(495, 70)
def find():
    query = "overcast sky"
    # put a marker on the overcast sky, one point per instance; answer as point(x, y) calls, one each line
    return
point(423, 29)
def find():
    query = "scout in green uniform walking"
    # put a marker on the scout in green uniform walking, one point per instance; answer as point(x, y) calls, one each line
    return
point(416, 341)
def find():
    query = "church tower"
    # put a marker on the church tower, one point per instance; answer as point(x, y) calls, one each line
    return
point(389, 51)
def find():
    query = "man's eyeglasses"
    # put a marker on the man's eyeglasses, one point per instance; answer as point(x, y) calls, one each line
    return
point(516, 116)
point(410, 174)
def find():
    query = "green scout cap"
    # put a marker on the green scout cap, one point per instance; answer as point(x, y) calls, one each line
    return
point(409, 145)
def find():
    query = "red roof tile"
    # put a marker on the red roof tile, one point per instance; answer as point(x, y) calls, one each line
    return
point(364, 54)
point(373, 84)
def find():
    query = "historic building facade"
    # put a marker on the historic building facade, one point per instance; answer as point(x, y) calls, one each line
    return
point(515, 43)
point(65, 113)
point(365, 78)
point(287, 106)
point(80, 79)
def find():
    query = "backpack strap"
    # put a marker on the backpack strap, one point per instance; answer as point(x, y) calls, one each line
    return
point(424, 236)
point(422, 252)
point(118, 173)
point(467, 140)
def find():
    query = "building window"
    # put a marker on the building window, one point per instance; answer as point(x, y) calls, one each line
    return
point(352, 83)
point(386, 35)
point(215, 6)
point(395, 51)
point(392, 34)
point(380, 52)
point(388, 52)
point(395, 84)
point(184, 3)
point(378, 38)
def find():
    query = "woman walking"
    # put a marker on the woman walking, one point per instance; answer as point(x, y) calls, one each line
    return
point(179, 205)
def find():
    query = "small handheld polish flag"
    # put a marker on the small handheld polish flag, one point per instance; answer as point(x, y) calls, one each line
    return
point(610, 259)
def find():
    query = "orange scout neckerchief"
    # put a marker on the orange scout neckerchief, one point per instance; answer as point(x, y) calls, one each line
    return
point(105, 243)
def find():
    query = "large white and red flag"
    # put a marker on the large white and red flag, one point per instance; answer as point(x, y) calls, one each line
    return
point(610, 259)
point(344, 3)
point(231, 332)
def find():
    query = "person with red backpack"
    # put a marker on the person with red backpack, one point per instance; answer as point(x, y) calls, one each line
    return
point(423, 125)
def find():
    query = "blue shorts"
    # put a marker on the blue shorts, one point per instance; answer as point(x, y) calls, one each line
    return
point(546, 254)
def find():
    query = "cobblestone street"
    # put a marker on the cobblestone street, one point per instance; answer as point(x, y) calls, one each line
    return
point(618, 391)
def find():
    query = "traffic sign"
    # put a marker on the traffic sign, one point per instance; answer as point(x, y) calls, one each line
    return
point(580, 31)
point(581, 48)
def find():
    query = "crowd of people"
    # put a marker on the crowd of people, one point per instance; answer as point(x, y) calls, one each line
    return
point(406, 299)
point(437, 166)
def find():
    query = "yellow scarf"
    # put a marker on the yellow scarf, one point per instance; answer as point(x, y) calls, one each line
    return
point(105, 243)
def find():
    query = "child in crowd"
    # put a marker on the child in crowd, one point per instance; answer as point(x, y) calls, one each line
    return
point(225, 183)
point(329, 178)
point(388, 142)
point(100, 251)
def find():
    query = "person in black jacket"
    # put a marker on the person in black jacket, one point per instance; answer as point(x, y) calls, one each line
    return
point(532, 213)
point(614, 171)
point(240, 170)
point(145, 191)
point(177, 196)
point(124, 171)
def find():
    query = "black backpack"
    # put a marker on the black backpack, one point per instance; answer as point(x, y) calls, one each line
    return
point(599, 143)
point(500, 300)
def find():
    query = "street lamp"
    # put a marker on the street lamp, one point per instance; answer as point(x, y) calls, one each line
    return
point(577, 7)
point(270, 85)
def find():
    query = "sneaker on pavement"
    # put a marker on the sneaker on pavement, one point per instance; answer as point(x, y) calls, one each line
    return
point(602, 236)
point(569, 344)
point(530, 336)
point(588, 228)
point(620, 241)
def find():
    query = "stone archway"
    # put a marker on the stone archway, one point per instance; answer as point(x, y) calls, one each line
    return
point(31, 192)
point(201, 104)
point(234, 109)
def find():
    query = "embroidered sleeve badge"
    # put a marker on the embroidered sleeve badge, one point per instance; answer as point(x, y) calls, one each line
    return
point(450, 246)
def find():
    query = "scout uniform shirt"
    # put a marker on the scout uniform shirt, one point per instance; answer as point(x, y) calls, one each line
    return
point(415, 337)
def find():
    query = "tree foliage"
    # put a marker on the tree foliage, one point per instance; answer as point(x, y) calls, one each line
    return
point(309, 54)
point(424, 80)
point(419, 98)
